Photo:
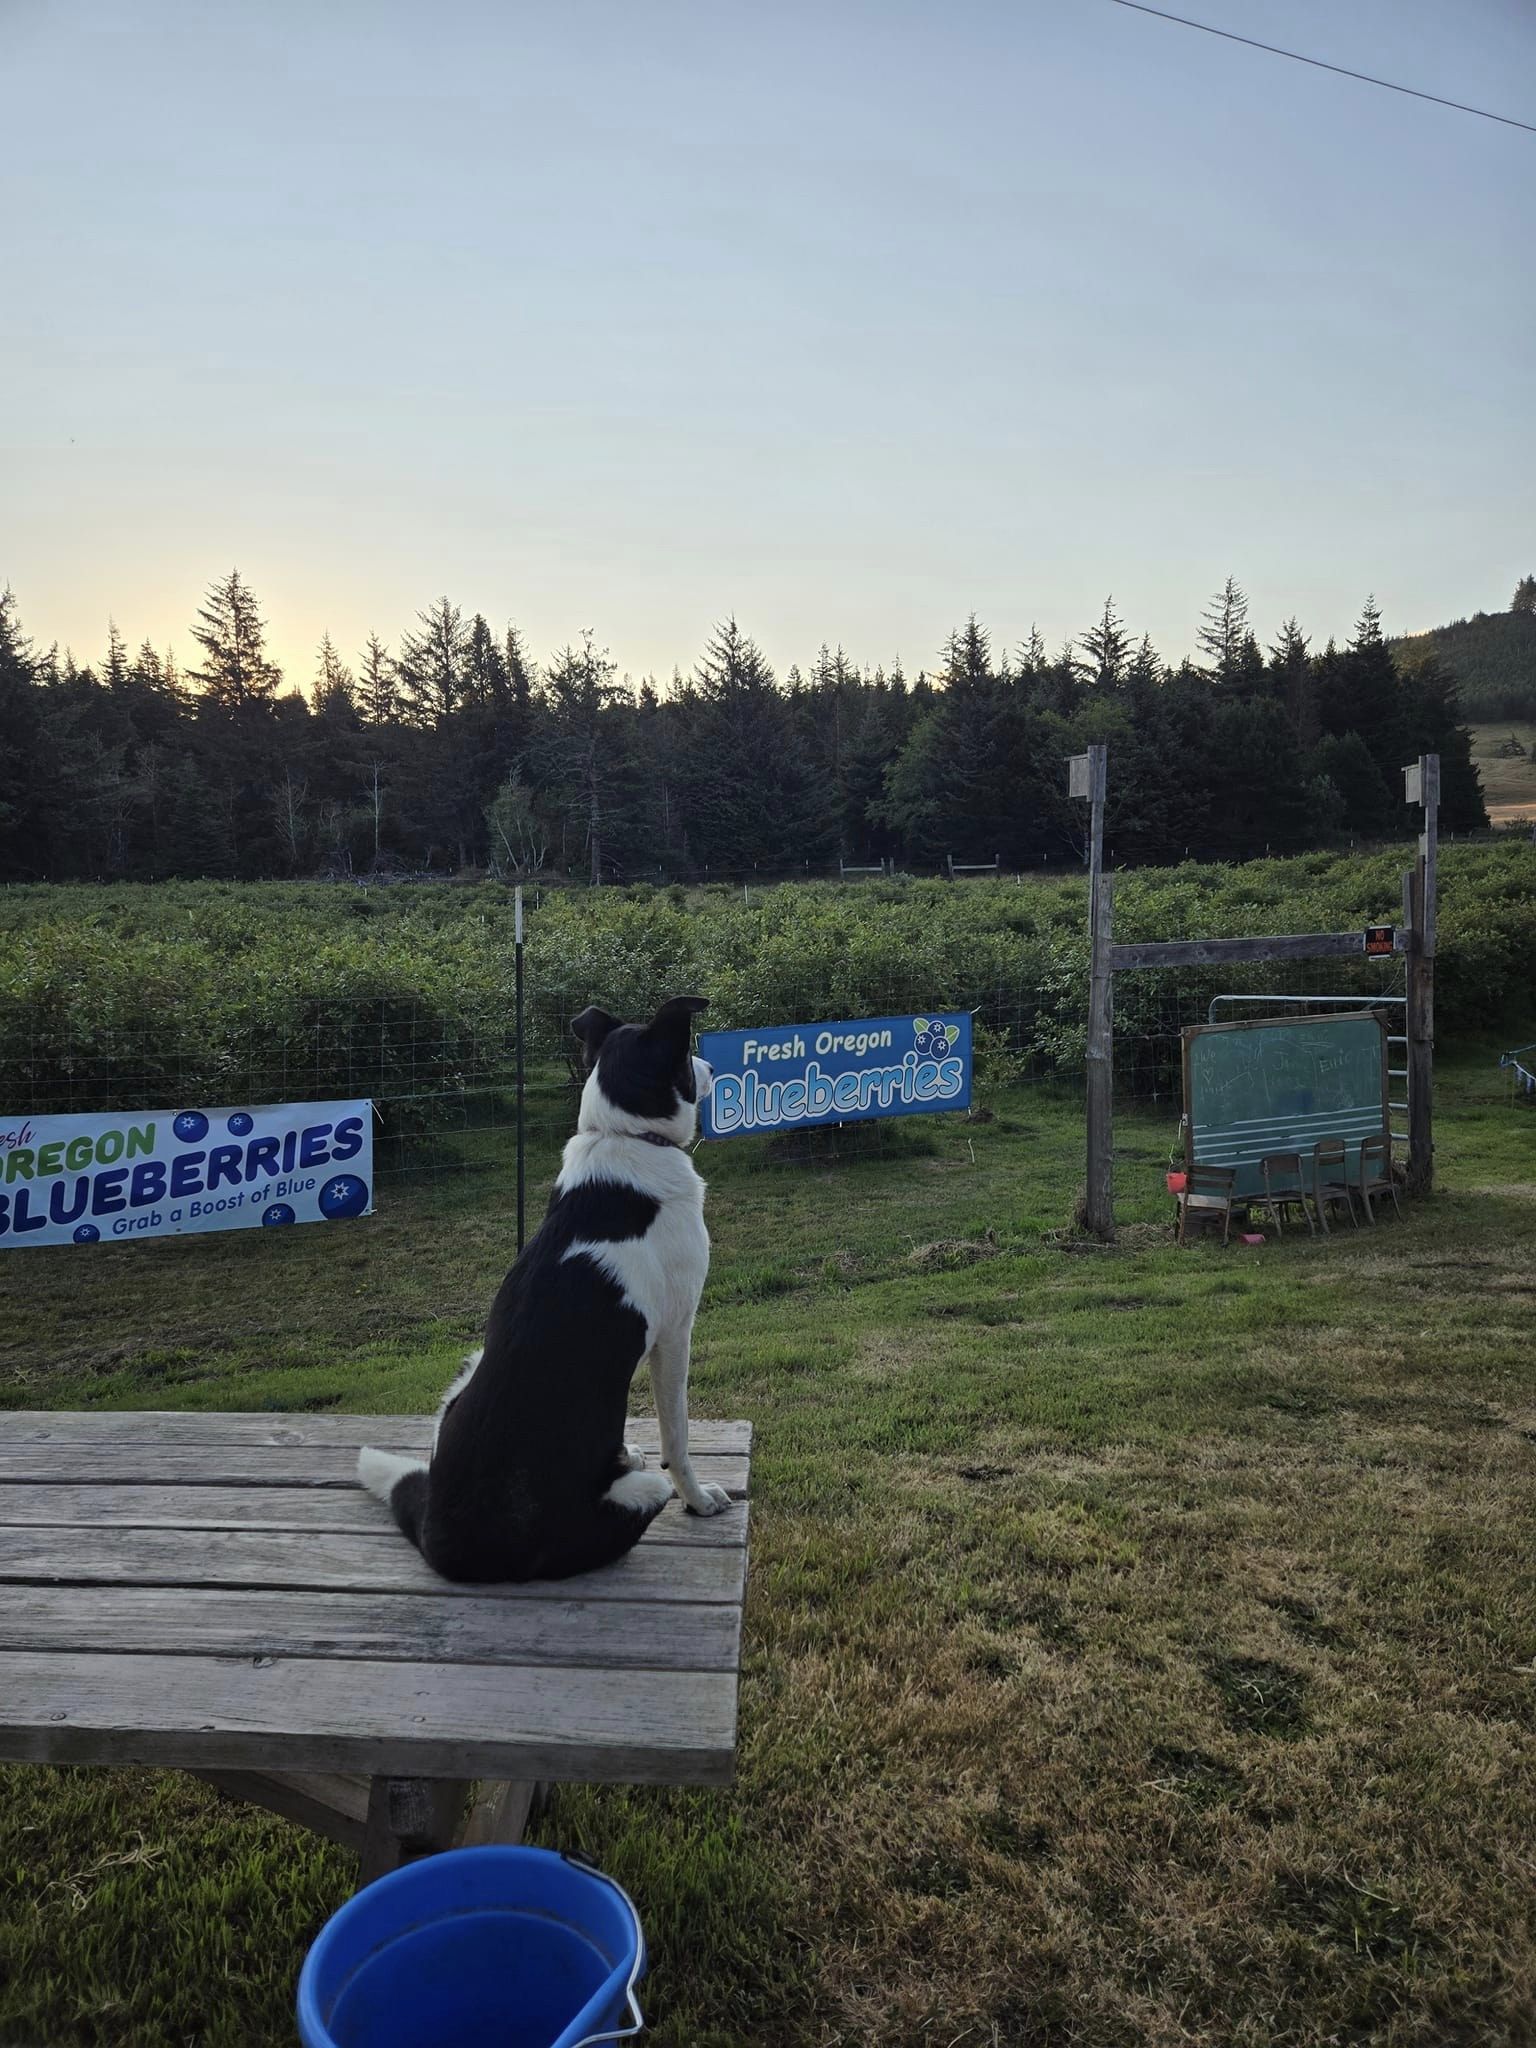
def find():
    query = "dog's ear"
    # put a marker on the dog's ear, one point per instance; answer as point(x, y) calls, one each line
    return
point(592, 1027)
point(675, 1017)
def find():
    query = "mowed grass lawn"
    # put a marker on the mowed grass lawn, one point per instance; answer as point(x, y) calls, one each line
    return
point(1140, 1646)
point(1509, 781)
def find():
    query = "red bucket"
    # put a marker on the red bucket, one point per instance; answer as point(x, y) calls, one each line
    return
point(1175, 1182)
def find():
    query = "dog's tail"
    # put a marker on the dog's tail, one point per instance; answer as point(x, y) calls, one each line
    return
point(401, 1483)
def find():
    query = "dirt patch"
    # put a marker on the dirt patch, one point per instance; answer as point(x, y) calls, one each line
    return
point(1130, 1237)
point(948, 1254)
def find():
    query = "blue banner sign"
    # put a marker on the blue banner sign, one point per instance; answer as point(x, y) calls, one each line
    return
point(158, 1173)
point(783, 1077)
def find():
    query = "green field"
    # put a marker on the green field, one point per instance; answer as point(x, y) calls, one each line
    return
point(1509, 782)
point(132, 995)
point(1139, 1645)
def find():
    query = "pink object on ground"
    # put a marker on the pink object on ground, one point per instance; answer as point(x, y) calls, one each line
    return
point(1251, 1237)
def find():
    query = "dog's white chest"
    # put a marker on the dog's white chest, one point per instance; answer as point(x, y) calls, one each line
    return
point(662, 1274)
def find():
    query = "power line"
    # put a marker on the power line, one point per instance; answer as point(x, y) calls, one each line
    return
point(1228, 35)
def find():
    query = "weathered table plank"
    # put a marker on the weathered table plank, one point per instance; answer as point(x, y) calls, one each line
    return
point(23, 1456)
point(317, 1508)
point(216, 1593)
point(268, 1559)
point(183, 1620)
point(428, 1720)
point(167, 1426)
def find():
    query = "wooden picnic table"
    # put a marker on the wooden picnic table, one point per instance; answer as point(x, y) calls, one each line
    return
point(218, 1594)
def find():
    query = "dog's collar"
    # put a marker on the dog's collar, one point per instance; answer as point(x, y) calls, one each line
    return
point(655, 1138)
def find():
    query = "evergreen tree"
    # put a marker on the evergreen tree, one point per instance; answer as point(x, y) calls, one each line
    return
point(1258, 781)
point(1224, 631)
point(19, 737)
point(236, 673)
point(1106, 647)
point(971, 781)
point(334, 685)
point(486, 686)
point(579, 749)
point(115, 670)
point(1291, 673)
point(520, 677)
point(1432, 724)
point(1357, 693)
point(753, 797)
point(870, 754)
point(378, 685)
point(1033, 659)
point(967, 658)
point(1524, 599)
point(1366, 805)
point(1145, 671)
point(432, 665)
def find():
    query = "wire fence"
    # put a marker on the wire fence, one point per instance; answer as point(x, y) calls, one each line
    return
point(1149, 1051)
point(443, 1074)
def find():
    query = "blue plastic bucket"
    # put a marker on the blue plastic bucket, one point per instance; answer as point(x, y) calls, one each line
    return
point(520, 1948)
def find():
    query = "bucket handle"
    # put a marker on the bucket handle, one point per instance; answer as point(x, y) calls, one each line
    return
point(636, 2017)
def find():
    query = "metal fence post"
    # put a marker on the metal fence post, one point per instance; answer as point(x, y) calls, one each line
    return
point(517, 955)
point(1089, 775)
point(1422, 786)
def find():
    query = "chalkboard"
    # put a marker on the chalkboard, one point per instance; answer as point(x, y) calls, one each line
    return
point(1271, 1085)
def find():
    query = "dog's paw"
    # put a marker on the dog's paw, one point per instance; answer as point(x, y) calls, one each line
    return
point(709, 1500)
point(631, 1459)
point(643, 1493)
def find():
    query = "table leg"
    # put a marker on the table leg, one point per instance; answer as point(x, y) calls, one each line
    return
point(407, 1818)
point(501, 1811)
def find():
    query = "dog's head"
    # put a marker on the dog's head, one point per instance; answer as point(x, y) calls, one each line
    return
point(643, 1077)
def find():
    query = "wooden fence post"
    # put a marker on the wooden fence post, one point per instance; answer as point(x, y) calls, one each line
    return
point(1088, 778)
point(1422, 786)
point(1100, 1207)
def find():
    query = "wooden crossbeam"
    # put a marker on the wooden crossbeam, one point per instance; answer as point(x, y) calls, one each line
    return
point(1228, 952)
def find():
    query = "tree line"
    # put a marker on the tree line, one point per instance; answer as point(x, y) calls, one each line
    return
point(456, 750)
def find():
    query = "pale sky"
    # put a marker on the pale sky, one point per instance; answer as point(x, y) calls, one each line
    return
point(848, 318)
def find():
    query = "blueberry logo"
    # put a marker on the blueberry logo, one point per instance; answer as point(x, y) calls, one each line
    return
point(346, 1194)
point(190, 1126)
point(933, 1039)
point(87, 1233)
point(277, 1212)
point(241, 1124)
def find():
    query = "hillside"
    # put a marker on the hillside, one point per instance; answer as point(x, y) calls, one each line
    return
point(1492, 654)
point(1508, 778)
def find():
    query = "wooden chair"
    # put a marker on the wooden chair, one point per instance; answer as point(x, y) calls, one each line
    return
point(1208, 1190)
point(1285, 1185)
point(1330, 1179)
point(1376, 1174)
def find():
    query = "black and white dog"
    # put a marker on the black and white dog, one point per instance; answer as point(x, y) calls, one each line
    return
point(530, 1476)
